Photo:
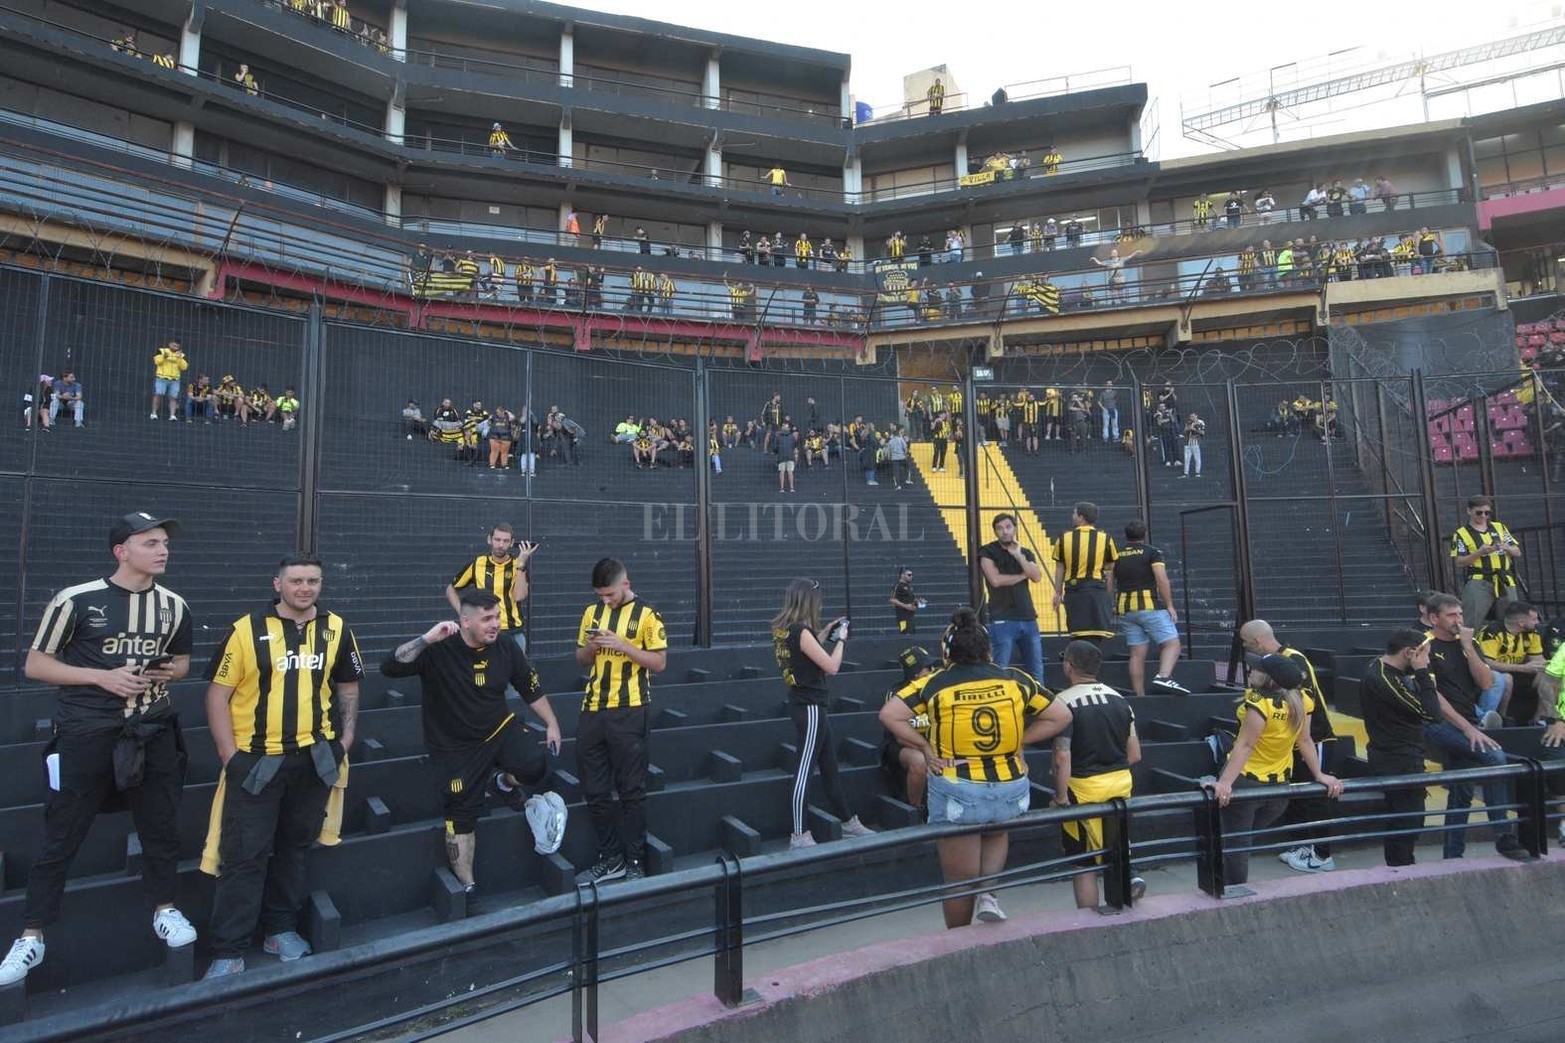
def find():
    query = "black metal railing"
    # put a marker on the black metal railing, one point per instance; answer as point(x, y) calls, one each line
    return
point(1135, 834)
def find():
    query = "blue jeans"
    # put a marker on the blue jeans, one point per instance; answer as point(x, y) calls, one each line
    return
point(1451, 749)
point(1490, 698)
point(1006, 634)
point(1110, 424)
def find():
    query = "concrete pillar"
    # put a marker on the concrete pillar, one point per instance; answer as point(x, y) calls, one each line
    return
point(714, 167)
point(960, 158)
point(184, 143)
point(1144, 214)
point(856, 244)
point(394, 205)
point(853, 180)
point(567, 57)
point(846, 102)
point(398, 31)
point(1453, 170)
point(396, 122)
point(190, 47)
point(712, 83)
point(567, 141)
point(714, 238)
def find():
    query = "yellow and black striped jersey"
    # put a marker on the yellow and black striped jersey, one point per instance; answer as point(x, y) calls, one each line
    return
point(1135, 578)
point(284, 675)
point(1499, 645)
point(617, 682)
point(1085, 552)
point(497, 578)
point(977, 715)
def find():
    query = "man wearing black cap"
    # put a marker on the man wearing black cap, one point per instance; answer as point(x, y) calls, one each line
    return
point(905, 763)
point(112, 646)
point(905, 602)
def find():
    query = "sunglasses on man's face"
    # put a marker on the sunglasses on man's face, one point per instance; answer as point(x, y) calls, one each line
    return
point(1484, 511)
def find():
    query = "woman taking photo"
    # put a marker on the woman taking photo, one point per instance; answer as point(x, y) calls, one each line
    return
point(800, 643)
point(1272, 724)
point(980, 717)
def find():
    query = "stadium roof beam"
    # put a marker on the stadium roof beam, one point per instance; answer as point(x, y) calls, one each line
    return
point(1195, 125)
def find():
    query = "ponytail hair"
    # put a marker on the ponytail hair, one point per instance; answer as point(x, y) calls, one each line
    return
point(966, 640)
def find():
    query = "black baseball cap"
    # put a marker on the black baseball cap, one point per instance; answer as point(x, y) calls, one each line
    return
point(916, 660)
point(140, 521)
point(1284, 671)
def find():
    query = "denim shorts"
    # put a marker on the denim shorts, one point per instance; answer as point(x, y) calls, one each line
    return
point(1147, 626)
point(166, 386)
point(961, 801)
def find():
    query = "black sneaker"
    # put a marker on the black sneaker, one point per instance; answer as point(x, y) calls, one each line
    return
point(512, 798)
point(471, 901)
point(609, 867)
point(1507, 845)
point(635, 869)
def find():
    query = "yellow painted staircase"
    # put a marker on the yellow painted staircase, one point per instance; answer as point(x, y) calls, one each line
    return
point(999, 492)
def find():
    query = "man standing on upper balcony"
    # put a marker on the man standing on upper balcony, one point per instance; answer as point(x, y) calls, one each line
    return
point(499, 141)
point(777, 177)
point(937, 97)
point(1484, 552)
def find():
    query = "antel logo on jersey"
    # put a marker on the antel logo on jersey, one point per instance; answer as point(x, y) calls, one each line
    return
point(130, 645)
point(295, 661)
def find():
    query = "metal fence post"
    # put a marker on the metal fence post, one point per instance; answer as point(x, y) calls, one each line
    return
point(728, 966)
point(584, 965)
point(1116, 855)
point(1533, 816)
point(1209, 845)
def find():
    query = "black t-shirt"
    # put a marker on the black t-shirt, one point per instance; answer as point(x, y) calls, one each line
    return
point(102, 626)
point(904, 593)
point(1100, 729)
point(1454, 678)
point(1135, 580)
point(805, 680)
point(1015, 601)
point(464, 688)
point(783, 445)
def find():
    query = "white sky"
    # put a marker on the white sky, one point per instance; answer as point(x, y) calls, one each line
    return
point(1176, 49)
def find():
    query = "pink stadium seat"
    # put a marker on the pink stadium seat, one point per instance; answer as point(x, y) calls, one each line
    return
point(1557, 337)
point(1467, 452)
point(1528, 354)
point(1443, 454)
point(1505, 398)
point(1537, 340)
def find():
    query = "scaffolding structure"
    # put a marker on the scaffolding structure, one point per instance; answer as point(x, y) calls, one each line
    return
point(1314, 86)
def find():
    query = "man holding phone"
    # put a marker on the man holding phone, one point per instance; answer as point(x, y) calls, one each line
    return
point(502, 572)
point(473, 738)
point(624, 641)
point(1484, 553)
point(112, 646)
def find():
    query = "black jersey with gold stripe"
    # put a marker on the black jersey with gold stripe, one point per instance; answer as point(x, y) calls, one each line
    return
point(497, 578)
point(103, 626)
point(284, 675)
point(616, 681)
point(977, 714)
point(1135, 578)
point(1085, 552)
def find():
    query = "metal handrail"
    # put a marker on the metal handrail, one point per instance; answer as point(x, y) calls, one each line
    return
point(1206, 841)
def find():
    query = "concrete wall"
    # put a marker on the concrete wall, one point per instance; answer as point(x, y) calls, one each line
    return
point(1445, 951)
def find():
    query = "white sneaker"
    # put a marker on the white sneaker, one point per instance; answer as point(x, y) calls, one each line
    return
point(1304, 860)
point(26, 953)
point(854, 828)
point(546, 816)
point(1287, 857)
point(170, 925)
point(805, 839)
point(988, 909)
point(1491, 719)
